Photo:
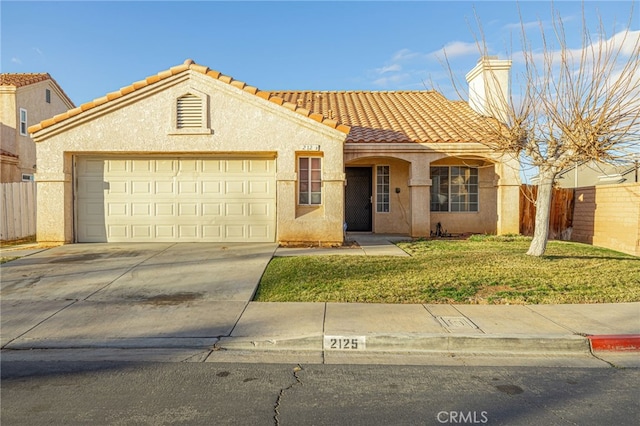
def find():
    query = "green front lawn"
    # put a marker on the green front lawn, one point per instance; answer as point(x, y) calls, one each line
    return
point(492, 270)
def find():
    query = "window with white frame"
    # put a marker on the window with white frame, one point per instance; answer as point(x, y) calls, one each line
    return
point(23, 122)
point(382, 189)
point(454, 189)
point(309, 180)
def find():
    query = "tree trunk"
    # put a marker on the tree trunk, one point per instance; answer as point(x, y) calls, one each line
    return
point(543, 213)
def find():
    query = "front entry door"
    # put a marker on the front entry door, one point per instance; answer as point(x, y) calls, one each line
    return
point(358, 199)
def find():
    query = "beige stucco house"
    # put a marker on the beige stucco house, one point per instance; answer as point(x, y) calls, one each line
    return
point(190, 154)
point(25, 99)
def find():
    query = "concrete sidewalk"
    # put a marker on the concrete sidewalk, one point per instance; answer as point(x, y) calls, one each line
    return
point(480, 329)
point(302, 332)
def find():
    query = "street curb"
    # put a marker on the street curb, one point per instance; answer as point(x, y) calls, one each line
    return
point(114, 343)
point(426, 343)
point(615, 342)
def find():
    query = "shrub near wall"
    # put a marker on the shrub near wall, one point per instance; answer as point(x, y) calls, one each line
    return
point(608, 216)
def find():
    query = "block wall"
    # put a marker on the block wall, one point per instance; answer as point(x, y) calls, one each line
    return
point(608, 216)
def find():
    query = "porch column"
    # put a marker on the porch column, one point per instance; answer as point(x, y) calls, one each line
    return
point(508, 207)
point(420, 210)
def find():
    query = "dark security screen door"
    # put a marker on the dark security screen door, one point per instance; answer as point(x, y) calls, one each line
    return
point(357, 203)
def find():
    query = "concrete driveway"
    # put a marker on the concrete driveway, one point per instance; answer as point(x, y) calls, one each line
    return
point(128, 295)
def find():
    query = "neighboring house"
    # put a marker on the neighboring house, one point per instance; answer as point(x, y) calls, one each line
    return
point(190, 154)
point(26, 99)
point(592, 173)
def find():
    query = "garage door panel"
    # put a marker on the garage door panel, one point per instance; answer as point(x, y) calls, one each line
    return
point(141, 231)
point(139, 166)
point(259, 188)
point(188, 209)
point(259, 210)
point(92, 186)
point(211, 187)
point(164, 166)
point(211, 209)
point(115, 166)
point(234, 209)
point(165, 209)
point(189, 188)
point(234, 187)
point(260, 166)
point(95, 232)
point(187, 231)
point(92, 167)
point(235, 232)
point(212, 231)
point(259, 231)
point(141, 209)
point(211, 166)
point(164, 187)
point(165, 232)
point(115, 187)
point(179, 199)
point(117, 231)
point(235, 166)
point(117, 209)
point(141, 187)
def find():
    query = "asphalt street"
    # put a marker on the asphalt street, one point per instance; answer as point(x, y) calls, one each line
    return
point(112, 393)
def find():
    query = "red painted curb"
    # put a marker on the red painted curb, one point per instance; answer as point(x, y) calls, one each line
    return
point(615, 342)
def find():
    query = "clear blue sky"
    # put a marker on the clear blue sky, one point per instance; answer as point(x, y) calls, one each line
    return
point(92, 48)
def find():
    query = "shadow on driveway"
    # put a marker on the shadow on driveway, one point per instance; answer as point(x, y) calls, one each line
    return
point(129, 295)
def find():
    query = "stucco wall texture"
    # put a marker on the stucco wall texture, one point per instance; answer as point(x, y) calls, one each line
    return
point(240, 123)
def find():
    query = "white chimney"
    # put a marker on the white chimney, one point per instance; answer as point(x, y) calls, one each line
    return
point(489, 87)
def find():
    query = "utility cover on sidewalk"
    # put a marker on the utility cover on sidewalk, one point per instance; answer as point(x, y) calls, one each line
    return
point(456, 322)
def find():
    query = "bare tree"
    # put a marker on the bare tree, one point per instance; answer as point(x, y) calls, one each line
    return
point(574, 105)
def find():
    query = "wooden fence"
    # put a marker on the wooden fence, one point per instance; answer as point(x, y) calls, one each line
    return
point(561, 217)
point(17, 210)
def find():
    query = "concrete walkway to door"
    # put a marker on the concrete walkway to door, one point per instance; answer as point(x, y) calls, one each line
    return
point(358, 244)
point(129, 295)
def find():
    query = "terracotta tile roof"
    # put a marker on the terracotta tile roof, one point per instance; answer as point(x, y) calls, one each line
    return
point(395, 117)
point(367, 117)
point(187, 65)
point(19, 79)
point(25, 79)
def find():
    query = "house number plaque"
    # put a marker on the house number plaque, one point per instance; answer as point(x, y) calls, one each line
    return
point(345, 343)
point(311, 147)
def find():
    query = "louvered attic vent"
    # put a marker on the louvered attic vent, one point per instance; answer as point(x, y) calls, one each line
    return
point(189, 112)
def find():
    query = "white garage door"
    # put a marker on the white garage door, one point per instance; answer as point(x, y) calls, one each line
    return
point(175, 199)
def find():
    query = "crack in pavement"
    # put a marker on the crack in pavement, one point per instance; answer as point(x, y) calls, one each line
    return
point(276, 408)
